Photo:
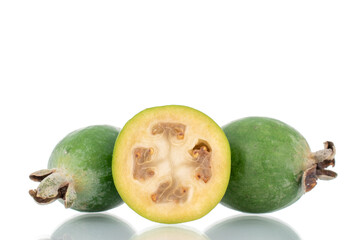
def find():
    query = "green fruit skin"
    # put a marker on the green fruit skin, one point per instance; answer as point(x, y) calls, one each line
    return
point(268, 158)
point(86, 155)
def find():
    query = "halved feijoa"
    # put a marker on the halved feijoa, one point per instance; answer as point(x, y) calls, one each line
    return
point(171, 164)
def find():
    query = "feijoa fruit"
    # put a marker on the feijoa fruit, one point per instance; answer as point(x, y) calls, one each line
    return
point(272, 165)
point(171, 164)
point(79, 171)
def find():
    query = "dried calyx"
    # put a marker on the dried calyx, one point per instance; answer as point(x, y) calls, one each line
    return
point(54, 184)
point(320, 160)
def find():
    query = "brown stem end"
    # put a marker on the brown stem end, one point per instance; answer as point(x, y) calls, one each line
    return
point(54, 184)
point(322, 159)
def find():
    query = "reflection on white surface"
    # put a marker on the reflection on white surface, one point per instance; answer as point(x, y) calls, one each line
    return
point(93, 226)
point(251, 228)
point(170, 233)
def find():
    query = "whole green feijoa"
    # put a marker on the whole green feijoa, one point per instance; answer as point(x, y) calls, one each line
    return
point(79, 171)
point(271, 165)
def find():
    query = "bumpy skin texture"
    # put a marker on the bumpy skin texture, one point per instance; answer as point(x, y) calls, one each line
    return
point(86, 156)
point(268, 159)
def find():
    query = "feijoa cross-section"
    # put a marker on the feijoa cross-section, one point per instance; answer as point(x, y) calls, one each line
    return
point(171, 164)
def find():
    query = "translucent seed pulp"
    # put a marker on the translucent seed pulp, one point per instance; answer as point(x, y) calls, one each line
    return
point(143, 167)
point(173, 188)
point(202, 155)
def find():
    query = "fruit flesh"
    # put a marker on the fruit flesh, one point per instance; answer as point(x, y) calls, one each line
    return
point(269, 159)
point(79, 171)
point(166, 162)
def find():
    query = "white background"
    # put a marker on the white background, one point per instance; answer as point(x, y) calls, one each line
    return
point(69, 64)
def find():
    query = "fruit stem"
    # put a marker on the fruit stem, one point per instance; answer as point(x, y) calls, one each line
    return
point(54, 184)
point(318, 163)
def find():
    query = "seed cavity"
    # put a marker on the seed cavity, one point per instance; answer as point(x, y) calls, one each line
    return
point(171, 129)
point(170, 192)
point(143, 165)
point(146, 162)
point(201, 157)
